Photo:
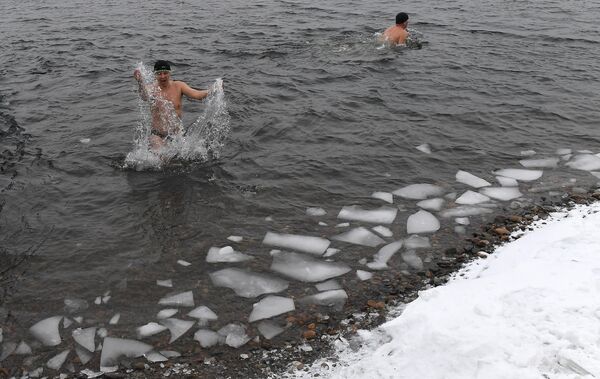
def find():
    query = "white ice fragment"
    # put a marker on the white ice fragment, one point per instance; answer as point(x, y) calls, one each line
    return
point(149, 329)
point(170, 353)
point(84, 355)
point(269, 329)
point(471, 180)
point(424, 148)
point(412, 259)
point(333, 298)
point(343, 225)
point(383, 231)
point(73, 305)
point(313, 211)
point(115, 348)
point(502, 193)
point(269, 218)
point(364, 275)
point(321, 223)
point(102, 332)
point(305, 244)
point(586, 162)
point(416, 242)
point(105, 299)
point(271, 306)
point(165, 283)
point(183, 263)
point(114, 320)
point(422, 222)
point(166, 313)
point(204, 313)
point(419, 191)
point(89, 374)
point(206, 338)
point(330, 252)
point(154, 357)
point(462, 220)
point(384, 254)
point(563, 151)
point(85, 338)
point(527, 153)
point(566, 157)
point(359, 236)
point(46, 331)
point(464, 211)
point(183, 299)
point(225, 254)
point(177, 327)
point(57, 361)
point(78, 319)
point(235, 335)
point(471, 198)
point(85, 140)
point(520, 174)
point(450, 196)
point(434, 204)
point(385, 196)
point(98, 300)
point(235, 238)
point(67, 322)
point(246, 283)
point(383, 215)
point(328, 285)
point(307, 269)
point(23, 349)
point(537, 163)
point(507, 182)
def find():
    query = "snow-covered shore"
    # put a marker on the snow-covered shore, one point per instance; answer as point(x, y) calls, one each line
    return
point(530, 310)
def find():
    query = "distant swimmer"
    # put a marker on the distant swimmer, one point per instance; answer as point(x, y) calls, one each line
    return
point(165, 97)
point(397, 34)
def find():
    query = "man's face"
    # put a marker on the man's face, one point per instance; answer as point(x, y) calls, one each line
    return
point(162, 76)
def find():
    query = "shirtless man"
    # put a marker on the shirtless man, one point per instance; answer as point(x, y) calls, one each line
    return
point(165, 102)
point(397, 34)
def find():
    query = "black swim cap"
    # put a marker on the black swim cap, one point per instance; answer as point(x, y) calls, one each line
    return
point(162, 66)
point(401, 18)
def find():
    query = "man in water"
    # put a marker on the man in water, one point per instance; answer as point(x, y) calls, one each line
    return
point(165, 102)
point(397, 34)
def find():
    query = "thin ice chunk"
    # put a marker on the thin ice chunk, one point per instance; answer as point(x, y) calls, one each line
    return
point(23, 349)
point(305, 268)
point(164, 283)
point(114, 320)
point(305, 244)
point(85, 338)
point(46, 331)
point(385, 196)
point(235, 335)
point(422, 222)
point(471, 180)
point(364, 275)
point(563, 151)
point(464, 211)
point(434, 204)
point(154, 357)
point(183, 263)
point(383, 231)
point(520, 174)
point(166, 313)
point(331, 284)
point(84, 355)
point(586, 162)
point(507, 182)
point(235, 238)
point(314, 211)
point(170, 353)
point(177, 327)
point(359, 236)
point(183, 299)
point(334, 298)
point(462, 220)
point(149, 329)
point(225, 254)
point(115, 348)
point(384, 254)
point(57, 361)
point(89, 374)
point(330, 252)
point(246, 283)
point(537, 163)
point(471, 198)
point(204, 313)
point(271, 306)
point(528, 153)
point(416, 242)
point(425, 148)
point(343, 225)
point(419, 191)
point(383, 215)
point(269, 329)
point(412, 259)
point(502, 193)
point(206, 337)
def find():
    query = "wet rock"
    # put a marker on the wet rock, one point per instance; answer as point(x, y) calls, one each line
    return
point(375, 304)
point(138, 366)
point(309, 334)
point(482, 254)
point(501, 231)
point(311, 326)
point(516, 219)
point(298, 365)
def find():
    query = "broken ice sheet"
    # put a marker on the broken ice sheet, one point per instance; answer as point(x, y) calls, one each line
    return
point(247, 283)
point(305, 244)
point(149, 329)
point(462, 220)
point(235, 335)
point(434, 204)
point(330, 252)
point(235, 238)
point(85, 338)
point(46, 331)
point(183, 263)
point(537, 163)
point(23, 349)
point(57, 361)
point(563, 151)
point(384, 254)
point(596, 174)
point(507, 182)
point(364, 275)
point(412, 260)
point(471, 180)
point(422, 222)
point(307, 269)
point(183, 299)
point(114, 320)
point(84, 355)
point(269, 329)
point(343, 225)
point(177, 327)
point(330, 284)
point(166, 313)
point(416, 242)
point(206, 337)
point(314, 211)
point(419, 191)
point(502, 193)
point(165, 283)
point(464, 211)
point(203, 314)
point(520, 174)
point(385, 196)
point(382, 231)
point(333, 298)
point(359, 236)
point(527, 153)
point(586, 162)
point(225, 254)
point(154, 357)
point(271, 306)
point(471, 198)
point(115, 348)
point(383, 215)
point(7, 349)
point(425, 148)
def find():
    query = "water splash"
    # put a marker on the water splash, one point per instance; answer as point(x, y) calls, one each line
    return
point(203, 140)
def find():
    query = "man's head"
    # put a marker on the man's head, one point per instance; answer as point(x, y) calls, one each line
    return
point(162, 71)
point(401, 18)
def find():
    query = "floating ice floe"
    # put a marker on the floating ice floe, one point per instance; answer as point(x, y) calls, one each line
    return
point(520, 174)
point(502, 193)
point(383, 215)
point(450, 196)
point(359, 236)
point(328, 285)
point(85, 338)
point(155, 356)
point(424, 148)
point(183, 263)
point(419, 191)
point(471, 198)
point(56, 362)
point(333, 298)
point(102, 332)
point(203, 313)
point(78, 319)
point(586, 162)
point(538, 163)
point(464, 211)
point(89, 374)
point(385, 196)
point(170, 353)
point(507, 182)
point(343, 225)
point(235, 238)
point(115, 348)
point(225, 254)
point(434, 204)
point(85, 140)
point(149, 329)
point(114, 320)
point(330, 252)
point(527, 153)
point(269, 329)
point(307, 269)
point(46, 331)
point(235, 335)
point(166, 313)
point(84, 355)
point(563, 151)
point(206, 338)
point(246, 283)
point(416, 242)
point(177, 327)
point(412, 260)
point(422, 222)
point(305, 244)
point(313, 211)
point(462, 220)
point(183, 299)
point(382, 231)
point(98, 300)
point(364, 275)
point(384, 254)
point(23, 349)
point(67, 322)
point(164, 283)
point(471, 180)
point(271, 306)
